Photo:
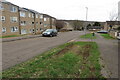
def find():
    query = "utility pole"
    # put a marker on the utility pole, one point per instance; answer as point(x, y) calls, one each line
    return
point(86, 19)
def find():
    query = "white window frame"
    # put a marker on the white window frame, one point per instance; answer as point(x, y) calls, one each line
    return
point(22, 14)
point(13, 9)
point(36, 15)
point(3, 30)
point(30, 31)
point(14, 29)
point(23, 23)
point(29, 15)
point(1, 7)
point(2, 18)
point(53, 20)
point(48, 19)
point(41, 16)
point(45, 19)
point(45, 25)
point(32, 15)
point(13, 19)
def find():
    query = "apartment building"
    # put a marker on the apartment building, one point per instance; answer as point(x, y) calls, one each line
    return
point(49, 22)
point(46, 21)
point(39, 27)
point(27, 21)
point(9, 18)
point(15, 20)
point(111, 25)
point(52, 22)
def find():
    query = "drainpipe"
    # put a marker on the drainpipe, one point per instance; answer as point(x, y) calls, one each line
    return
point(50, 22)
point(19, 21)
point(34, 24)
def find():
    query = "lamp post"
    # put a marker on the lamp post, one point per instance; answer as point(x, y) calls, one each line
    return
point(86, 19)
point(86, 12)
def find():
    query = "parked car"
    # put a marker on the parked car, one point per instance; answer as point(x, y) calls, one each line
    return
point(50, 32)
point(102, 31)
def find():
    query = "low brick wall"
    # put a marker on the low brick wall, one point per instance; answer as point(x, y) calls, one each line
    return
point(113, 34)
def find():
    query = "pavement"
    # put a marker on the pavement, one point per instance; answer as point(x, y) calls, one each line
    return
point(20, 38)
point(109, 54)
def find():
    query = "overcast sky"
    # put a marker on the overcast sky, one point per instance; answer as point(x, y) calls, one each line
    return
point(98, 10)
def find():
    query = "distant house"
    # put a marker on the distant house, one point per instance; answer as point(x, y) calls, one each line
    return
point(111, 25)
point(64, 25)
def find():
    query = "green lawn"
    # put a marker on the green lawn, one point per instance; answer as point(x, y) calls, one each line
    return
point(88, 36)
point(9, 36)
point(107, 36)
point(71, 60)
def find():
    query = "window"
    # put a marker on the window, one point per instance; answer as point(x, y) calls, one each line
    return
point(36, 15)
point(29, 15)
point(23, 31)
point(22, 14)
point(41, 16)
point(2, 18)
point(36, 30)
point(3, 30)
point(32, 15)
point(41, 29)
point(45, 19)
point(14, 29)
point(1, 7)
point(23, 23)
point(48, 19)
point(45, 25)
point(53, 20)
point(41, 23)
point(30, 31)
point(36, 23)
point(13, 19)
point(13, 9)
point(32, 23)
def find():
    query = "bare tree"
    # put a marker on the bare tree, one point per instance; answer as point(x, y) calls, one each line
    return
point(60, 25)
point(113, 15)
point(77, 25)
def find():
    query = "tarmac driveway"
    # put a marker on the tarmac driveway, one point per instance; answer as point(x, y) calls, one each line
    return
point(19, 51)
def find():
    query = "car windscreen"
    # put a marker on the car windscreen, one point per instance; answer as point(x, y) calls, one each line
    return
point(49, 30)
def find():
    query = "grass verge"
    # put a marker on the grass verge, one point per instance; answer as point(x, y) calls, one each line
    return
point(107, 36)
point(71, 60)
point(10, 36)
point(88, 36)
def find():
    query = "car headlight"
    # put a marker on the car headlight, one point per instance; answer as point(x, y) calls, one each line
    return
point(48, 33)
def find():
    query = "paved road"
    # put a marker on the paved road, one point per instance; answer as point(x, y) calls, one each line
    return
point(16, 52)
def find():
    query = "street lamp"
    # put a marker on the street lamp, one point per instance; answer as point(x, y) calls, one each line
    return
point(86, 12)
point(86, 19)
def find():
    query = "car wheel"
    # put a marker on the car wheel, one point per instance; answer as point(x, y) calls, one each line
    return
point(51, 35)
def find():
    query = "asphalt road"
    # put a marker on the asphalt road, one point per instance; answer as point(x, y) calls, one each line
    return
point(19, 51)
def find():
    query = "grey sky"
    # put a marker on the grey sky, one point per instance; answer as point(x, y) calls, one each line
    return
point(98, 10)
